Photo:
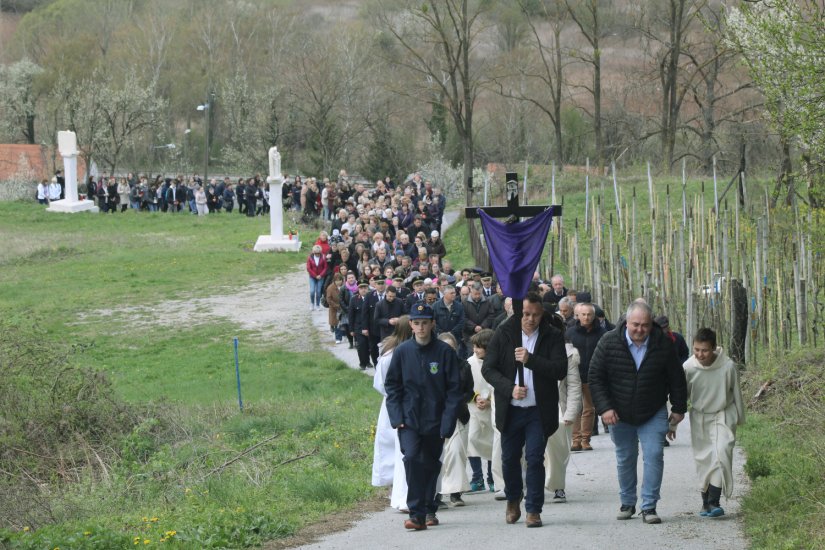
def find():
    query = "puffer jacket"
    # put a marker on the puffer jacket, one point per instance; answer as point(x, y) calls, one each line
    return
point(636, 395)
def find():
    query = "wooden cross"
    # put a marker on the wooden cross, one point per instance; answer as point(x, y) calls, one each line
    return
point(513, 212)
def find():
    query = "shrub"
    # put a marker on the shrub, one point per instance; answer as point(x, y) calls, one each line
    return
point(58, 422)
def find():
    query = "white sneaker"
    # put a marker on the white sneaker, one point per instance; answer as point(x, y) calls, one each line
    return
point(499, 495)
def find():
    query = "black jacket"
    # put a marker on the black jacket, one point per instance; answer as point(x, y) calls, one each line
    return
point(636, 395)
point(449, 320)
point(423, 386)
point(585, 342)
point(384, 311)
point(358, 314)
point(548, 363)
point(475, 314)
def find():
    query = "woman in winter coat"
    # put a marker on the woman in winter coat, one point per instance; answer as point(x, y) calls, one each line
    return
point(333, 294)
point(123, 190)
point(317, 270)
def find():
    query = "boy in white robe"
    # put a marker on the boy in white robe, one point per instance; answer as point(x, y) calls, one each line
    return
point(716, 409)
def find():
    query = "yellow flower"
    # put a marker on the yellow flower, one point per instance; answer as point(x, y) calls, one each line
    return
point(26, 529)
point(87, 533)
point(146, 541)
point(145, 518)
point(154, 519)
point(188, 490)
point(171, 533)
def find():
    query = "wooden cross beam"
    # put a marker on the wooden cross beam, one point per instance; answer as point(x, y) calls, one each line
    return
point(513, 211)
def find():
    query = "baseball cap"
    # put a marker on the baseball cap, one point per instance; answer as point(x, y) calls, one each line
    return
point(421, 311)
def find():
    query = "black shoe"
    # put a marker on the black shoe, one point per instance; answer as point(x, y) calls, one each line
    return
point(440, 503)
point(626, 512)
point(650, 516)
point(456, 500)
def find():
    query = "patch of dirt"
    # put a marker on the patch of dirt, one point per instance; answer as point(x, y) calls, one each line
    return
point(276, 310)
point(333, 523)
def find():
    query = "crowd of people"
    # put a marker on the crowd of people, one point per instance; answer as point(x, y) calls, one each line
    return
point(468, 380)
point(250, 196)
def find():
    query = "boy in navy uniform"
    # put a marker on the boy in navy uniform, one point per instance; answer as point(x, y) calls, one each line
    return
point(423, 394)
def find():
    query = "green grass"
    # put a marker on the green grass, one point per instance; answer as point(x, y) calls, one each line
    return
point(189, 463)
point(785, 448)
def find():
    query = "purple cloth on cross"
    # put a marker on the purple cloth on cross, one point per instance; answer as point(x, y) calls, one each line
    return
point(515, 249)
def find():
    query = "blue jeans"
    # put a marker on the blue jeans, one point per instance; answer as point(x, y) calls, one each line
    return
point(523, 429)
point(316, 286)
point(626, 438)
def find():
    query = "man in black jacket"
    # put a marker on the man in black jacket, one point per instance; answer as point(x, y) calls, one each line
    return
point(525, 360)
point(373, 299)
point(584, 336)
point(359, 323)
point(632, 373)
point(477, 314)
point(387, 312)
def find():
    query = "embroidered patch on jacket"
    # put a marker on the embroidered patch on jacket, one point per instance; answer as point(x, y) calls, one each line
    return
point(434, 368)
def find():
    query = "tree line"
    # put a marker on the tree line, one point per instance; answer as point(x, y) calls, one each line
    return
point(372, 85)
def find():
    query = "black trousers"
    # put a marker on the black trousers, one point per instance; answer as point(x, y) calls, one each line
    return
point(362, 343)
point(374, 341)
point(422, 464)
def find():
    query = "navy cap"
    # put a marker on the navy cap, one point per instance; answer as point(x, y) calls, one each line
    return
point(421, 311)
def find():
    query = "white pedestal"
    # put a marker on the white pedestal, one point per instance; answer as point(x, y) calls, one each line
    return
point(269, 243)
point(71, 207)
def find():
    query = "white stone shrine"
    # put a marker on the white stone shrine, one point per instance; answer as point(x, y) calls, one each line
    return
point(67, 145)
point(276, 240)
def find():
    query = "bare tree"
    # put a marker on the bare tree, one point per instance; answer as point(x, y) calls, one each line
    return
point(588, 16)
point(438, 39)
point(539, 80)
point(718, 99)
point(667, 32)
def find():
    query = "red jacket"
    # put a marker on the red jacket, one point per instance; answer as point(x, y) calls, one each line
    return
point(317, 271)
point(325, 248)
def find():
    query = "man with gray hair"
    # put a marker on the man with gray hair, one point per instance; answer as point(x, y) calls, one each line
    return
point(633, 372)
point(566, 307)
point(557, 291)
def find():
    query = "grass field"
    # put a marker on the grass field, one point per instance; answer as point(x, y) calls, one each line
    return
point(191, 470)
